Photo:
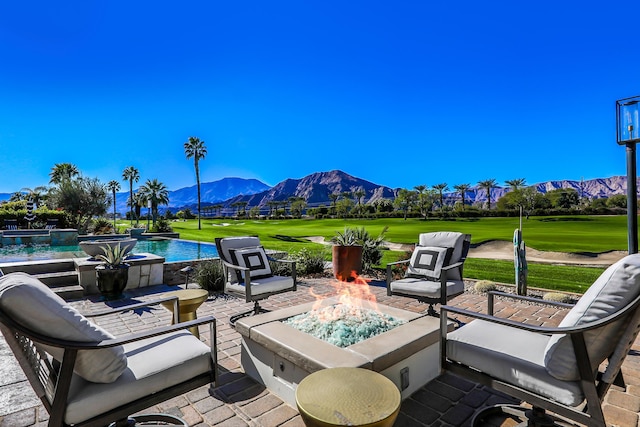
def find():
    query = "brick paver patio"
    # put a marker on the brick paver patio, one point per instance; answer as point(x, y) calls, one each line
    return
point(239, 401)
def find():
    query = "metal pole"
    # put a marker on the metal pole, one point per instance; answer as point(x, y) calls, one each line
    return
point(632, 198)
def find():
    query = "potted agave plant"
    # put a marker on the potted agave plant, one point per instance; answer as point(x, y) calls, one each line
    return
point(112, 275)
point(346, 255)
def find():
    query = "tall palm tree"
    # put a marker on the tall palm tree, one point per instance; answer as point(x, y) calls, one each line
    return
point(488, 184)
point(156, 192)
point(422, 199)
point(132, 175)
point(516, 184)
point(441, 188)
point(63, 172)
point(195, 148)
point(114, 186)
point(462, 189)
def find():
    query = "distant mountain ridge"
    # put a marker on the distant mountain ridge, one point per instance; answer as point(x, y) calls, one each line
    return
point(316, 188)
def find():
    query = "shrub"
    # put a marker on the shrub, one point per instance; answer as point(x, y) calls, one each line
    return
point(162, 226)
point(371, 247)
point(308, 261)
point(209, 275)
point(101, 226)
point(485, 286)
point(558, 297)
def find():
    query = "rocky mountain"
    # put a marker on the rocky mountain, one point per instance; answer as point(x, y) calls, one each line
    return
point(315, 189)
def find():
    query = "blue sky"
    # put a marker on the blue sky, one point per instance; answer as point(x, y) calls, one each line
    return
point(400, 93)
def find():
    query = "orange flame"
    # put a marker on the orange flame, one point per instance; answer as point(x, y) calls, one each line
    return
point(351, 293)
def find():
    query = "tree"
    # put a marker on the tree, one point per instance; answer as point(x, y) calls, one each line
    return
point(81, 199)
point(195, 148)
point(516, 184)
point(114, 186)
point(298, 205)
point(36, 195)
point(63, 172)
point(487, 185)
point(441, 188)
point(564, 198)
point(132, 175)
point(617, 201)
point(462, 190)
point(424, 199)
point(334, 198)
point(404, 200)
point(156, 192)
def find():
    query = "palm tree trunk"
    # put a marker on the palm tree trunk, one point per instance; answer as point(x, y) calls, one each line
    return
point(198, 182)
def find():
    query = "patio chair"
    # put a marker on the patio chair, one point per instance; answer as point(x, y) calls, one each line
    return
point(434, 271)
point(248, 274)
point(566, 370)
point(85, 376)
point(10, 224)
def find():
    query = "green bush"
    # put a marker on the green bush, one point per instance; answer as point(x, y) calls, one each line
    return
point(485, 286)
point(162, 226)
point(209, 275)
point(101, 226)
point(309, 261)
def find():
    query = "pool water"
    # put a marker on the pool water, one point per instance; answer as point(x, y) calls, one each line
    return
point(171, 249)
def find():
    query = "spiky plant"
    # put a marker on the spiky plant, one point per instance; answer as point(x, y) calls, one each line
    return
point(113, 255)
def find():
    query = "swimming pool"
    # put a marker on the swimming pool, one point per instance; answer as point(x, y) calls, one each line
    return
point(171, 249)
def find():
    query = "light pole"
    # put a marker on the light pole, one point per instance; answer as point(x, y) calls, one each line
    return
point(627, 133)
point(148, 214)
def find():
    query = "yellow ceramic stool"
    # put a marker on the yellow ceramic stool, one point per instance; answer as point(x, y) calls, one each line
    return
point(347, 397)
point(188, 302)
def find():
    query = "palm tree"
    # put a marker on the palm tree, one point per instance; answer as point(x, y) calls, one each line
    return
point(488, 184)
point(440, 188)
point(63, 172)
point(516, 184)
point(422, 199)
point(114, 186)
point(462, 189)
point(36, 195)
point(156, 192)
point(195, 148)
point(132, 175)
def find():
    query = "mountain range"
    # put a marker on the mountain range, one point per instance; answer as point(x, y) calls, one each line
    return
point(316, 189)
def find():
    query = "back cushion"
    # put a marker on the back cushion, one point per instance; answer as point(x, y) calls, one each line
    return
point(613, 290)
point(253, 258)
point(31, 303)
point(428, 261)
point(229, 243)
point(446, 239)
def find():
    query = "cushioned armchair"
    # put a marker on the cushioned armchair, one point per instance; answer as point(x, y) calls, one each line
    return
point(559, 369)
point(434, 272)
point(84, 375)
point(248, 273)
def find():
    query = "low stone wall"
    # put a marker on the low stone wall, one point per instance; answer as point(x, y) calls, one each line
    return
point(38, 236)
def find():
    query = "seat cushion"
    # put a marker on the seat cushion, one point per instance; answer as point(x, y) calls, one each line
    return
point(31, 303)
point(266, 285)
point(425, 288)
point(614, 289)
point(154, 365)
point(512, 355)
point(254, 258)
point(427, 261)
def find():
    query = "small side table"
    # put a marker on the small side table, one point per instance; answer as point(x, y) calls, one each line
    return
point(347, 397)
point(188, 302)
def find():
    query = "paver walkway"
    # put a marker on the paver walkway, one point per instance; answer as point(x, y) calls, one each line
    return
point(239, 401)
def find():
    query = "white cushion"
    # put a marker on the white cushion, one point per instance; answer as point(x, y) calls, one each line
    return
point(265, 285)
point(254, 258)
point(31, 303)
point(446, 239)
point(427, 261)
point(614, 289)
point(512, 355)
point(425, 288)
point(154, 365)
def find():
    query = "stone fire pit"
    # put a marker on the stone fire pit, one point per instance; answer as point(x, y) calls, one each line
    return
point(280, 356)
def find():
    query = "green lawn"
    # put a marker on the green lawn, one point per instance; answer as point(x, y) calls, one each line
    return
point(578, 234)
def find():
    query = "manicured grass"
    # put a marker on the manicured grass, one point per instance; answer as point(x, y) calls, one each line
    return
point(577, 234)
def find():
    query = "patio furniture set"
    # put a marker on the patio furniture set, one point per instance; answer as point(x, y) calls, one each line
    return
point(85, 376)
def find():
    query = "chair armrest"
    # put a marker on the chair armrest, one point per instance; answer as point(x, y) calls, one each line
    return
point(452, 266)
point(389, 276)
point(404, 261)
point(234, 266)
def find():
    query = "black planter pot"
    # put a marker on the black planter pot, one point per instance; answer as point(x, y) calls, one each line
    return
point(112, 280)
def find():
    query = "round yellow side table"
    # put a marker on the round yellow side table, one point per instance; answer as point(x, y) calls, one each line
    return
point(347, 397)
point(188, 302)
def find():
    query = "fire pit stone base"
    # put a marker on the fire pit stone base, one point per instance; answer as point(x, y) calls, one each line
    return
point(280, 356)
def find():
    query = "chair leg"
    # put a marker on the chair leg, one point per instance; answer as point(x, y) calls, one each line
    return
point(151, 419)
point(432, 312)
point(256, 310)
point(526, 417)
